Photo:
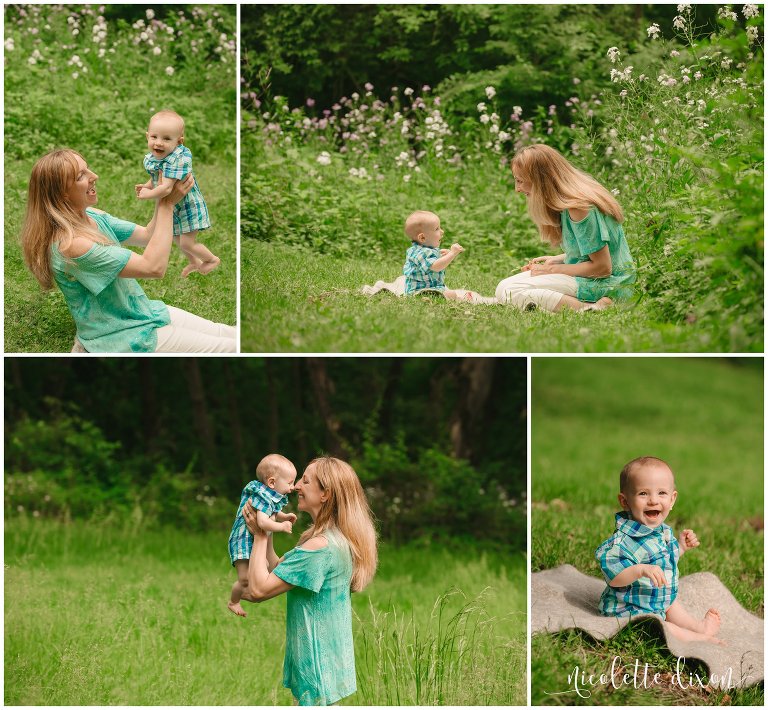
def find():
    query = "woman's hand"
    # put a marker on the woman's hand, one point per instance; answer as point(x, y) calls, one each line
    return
point(539, 269)
point(249, 514)
point(180, 189)
point(538, 260)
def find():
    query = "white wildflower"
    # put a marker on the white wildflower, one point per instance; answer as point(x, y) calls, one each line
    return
point(679, 23)
point(490, 92)
point(485, 118)
point(324, 158)
point(752, 34)
point(613, 54)
point(674, 53)
point(169, 71)
point(156, 51)
point(725, 13)
point(750, 11)
point(683, 8)
point(481, 107)
point(408, 91)
point(150, 14)
point(654, 31)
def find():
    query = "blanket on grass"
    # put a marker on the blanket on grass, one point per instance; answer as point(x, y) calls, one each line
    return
point(397, 287)
point(564, 598)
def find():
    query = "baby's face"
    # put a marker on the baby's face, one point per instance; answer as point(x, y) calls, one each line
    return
point(433, 234)
point(163, 135)
point(283, 483)
point(650, 494)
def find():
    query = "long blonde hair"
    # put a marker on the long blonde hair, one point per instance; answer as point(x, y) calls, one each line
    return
point(347, 510)
point(556, 186)
point(50, 218)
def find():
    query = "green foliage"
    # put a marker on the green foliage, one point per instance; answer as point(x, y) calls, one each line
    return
point(433, 496)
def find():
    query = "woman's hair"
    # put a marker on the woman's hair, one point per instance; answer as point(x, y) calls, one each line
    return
point(347, 510)
point(49, 217)
point(556, 186)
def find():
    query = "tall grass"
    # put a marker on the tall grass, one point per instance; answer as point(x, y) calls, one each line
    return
point(112, 614)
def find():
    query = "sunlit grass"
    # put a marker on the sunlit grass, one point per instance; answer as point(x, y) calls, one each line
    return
point(111, 615)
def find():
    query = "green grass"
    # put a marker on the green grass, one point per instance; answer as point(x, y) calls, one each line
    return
point(106, 615)
point(589, 417)
point(293, 300)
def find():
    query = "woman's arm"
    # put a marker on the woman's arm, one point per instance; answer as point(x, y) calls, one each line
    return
point(142, 235)
point(598, 267)
point(154, 261)
point(262, 584)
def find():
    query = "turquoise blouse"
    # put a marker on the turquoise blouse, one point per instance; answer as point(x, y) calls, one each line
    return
point(319, 665)
point(580, 239)
point(112, 314)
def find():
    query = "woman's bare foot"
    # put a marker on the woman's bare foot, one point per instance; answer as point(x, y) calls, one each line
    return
point(600, 305)
point(205, 267)
point(235, 608)
point(710, 625)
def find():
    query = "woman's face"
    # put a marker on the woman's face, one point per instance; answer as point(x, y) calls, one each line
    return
point(522, 185)
point(311, 495)
point(82, 192)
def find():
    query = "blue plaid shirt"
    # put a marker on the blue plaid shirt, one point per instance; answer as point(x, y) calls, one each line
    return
point(418, 269)
point(190, 214)
point(262, 498)
point(633, 544)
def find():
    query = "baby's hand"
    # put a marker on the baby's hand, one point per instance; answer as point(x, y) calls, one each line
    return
point(654, 573)
point(456, 248)
point(291, 517)
point(688, 540)
point(443, 252)
point(138, 189)
point(286, 526)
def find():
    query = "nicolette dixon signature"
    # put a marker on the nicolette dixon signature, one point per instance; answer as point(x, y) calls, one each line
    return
point(641, 675)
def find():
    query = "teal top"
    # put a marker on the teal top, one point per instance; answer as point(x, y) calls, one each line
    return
point(319, 663)
point(112, 314)
point(580, 239)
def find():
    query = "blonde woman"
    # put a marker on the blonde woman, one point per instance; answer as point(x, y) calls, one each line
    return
point(573, 212)
point(68, 243)
point(336, 555)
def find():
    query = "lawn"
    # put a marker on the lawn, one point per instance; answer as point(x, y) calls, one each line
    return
point(589, 417)
point(294, 300)
point(113, 615)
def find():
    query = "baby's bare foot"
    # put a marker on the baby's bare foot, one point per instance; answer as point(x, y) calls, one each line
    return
point(207, 266)
point(235, 608)
point(710, 625)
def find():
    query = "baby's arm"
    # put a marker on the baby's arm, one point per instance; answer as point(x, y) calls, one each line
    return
point(635, 572)
point(687, 540)
point(145, 185)
point(443, 261)
point(282, 517)
point(268, 525)
point(164, 187)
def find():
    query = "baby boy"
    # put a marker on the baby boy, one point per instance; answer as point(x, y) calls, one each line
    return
point(268, 495)
point(425, 262)
point(639, 561)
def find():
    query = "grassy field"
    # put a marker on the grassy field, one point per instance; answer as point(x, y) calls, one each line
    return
point(92, 81)
point(98, 615)
point(589, 418)
point(297, 301)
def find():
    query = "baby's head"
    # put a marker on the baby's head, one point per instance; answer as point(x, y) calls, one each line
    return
point(165, 132)
point(276, 472)
point(647, 488)
point(424, 228)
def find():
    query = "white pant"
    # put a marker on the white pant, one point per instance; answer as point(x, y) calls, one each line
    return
point(545, 292)
point(188, 333)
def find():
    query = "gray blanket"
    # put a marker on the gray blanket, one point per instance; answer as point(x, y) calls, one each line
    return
point(564, 598)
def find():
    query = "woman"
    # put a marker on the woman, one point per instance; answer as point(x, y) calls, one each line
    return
point(79, 248)
point(335, 555)
point(574, 212)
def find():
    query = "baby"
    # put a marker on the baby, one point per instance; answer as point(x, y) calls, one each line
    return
point(169, 157)
point(267, 495)
point(639, 561)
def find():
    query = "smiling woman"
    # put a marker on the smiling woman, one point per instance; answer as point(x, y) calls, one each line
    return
point(80, 249)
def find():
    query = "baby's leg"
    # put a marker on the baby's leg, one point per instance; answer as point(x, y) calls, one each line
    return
point(191, 258)
point(239, 588)
point(208, 260)
point(684, 627)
